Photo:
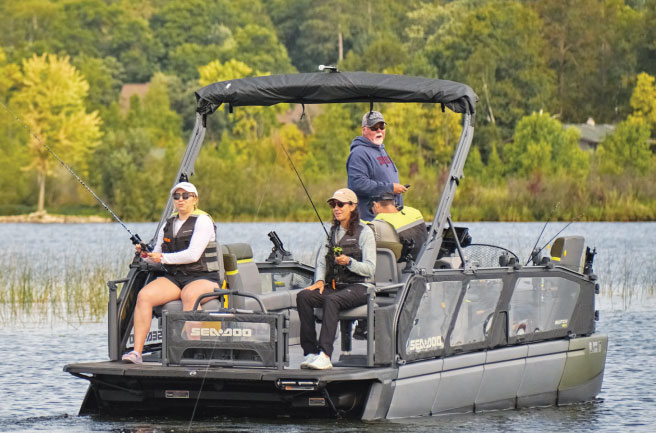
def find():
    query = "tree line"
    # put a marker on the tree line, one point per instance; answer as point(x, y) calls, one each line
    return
point(535, 65)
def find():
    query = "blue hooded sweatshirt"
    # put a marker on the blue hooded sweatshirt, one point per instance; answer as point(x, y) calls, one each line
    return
point(371, 172)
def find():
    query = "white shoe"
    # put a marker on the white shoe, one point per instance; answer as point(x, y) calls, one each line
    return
point(308, 360)
point(321, 362)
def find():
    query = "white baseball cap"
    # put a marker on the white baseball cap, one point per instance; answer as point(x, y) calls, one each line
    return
point(187, 186)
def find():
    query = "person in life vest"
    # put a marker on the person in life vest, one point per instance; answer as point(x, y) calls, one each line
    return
point(186, 246)
point(345, 270)
point(393, 226)
point(408, 222)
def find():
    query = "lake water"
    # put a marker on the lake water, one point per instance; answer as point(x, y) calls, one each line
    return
point(35, 395)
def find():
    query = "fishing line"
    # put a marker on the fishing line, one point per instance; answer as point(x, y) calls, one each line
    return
point(533, 253)
point(207, 368)
point(305, 189)
point(133, 236)
point(554, 237)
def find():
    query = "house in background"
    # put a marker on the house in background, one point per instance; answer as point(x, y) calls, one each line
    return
point(128, 90)
point(591, 133)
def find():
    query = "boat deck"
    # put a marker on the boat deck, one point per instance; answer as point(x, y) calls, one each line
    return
point(156, 369)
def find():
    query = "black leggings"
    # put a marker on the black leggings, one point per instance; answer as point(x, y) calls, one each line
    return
point(332, 302)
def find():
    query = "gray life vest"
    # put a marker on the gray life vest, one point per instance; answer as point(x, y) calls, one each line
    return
point(350, 247)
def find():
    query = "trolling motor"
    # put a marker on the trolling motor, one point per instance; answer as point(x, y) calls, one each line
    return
point(278, 252)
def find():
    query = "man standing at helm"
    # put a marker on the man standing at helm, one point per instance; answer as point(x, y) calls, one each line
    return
point(371, 171)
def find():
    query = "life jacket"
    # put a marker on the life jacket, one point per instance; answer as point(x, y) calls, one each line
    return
point(351, 247)
point(409, 224)
point(208, 261)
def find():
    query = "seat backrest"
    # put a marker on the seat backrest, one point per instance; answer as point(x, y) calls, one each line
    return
point(241, 270)
point(387, 271)
point(220, 249)
point(569, 252)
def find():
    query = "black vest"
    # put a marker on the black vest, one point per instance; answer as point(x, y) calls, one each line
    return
point(208, 261)
point(350, 247)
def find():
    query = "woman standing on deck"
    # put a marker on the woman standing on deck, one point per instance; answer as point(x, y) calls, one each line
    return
point(341, 279)
point(186, 245)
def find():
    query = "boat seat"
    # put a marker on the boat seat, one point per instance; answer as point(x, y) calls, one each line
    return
point(241, 270)
point(387, 269)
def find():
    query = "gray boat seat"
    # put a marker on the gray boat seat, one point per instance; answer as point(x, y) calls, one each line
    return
point(241, 270)
point(387, 270)
point(569, 252)
point(241, 273)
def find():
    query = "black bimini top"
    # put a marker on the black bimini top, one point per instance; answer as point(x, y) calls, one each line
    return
point(335, 87)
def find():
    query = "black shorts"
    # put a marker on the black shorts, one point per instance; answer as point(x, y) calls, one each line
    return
point(182, 280)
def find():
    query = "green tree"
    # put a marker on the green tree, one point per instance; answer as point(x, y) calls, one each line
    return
point(627, 148)
point(258, 47)
point(28, 27)
point(594, 63)
point(12, 142)
point(51, 101)
point(142, 147)
point(420, 137)
point(503, 63)
point(104, 77)
point(381, 55)
point(646, 48)
point(329, 145)
point(643, 100)
point(132, 42)
point(541, 146)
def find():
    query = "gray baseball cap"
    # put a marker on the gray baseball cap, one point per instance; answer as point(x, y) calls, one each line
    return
point(384, 196)
point(370, 118)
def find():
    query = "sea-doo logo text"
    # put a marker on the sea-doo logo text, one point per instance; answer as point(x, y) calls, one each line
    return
point(152, 337)
point(228, 332)
point(425, 344)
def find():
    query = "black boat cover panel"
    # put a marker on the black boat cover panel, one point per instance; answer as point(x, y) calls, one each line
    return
point(335, 87)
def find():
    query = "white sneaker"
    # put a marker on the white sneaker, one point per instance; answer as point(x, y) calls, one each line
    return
point(321, 362)
point(308, 360)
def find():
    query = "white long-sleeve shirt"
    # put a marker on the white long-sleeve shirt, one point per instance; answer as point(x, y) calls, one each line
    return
point(204, 233)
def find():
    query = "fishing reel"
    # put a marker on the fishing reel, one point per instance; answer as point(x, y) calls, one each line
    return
point(145, 248)
point(337, 251)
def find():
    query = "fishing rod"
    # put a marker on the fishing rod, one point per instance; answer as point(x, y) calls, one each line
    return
point(136, 240)
point(550, 240)
point(337, 250)
point(534, 253)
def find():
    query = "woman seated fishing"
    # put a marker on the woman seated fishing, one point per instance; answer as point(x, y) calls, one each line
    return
point(186, 246)
point(345, 269)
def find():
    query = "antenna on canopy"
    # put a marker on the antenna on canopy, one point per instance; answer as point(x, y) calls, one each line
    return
point(330, 68)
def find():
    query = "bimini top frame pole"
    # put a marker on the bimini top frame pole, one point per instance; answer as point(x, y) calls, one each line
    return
point(186, 165)
point(430, 250)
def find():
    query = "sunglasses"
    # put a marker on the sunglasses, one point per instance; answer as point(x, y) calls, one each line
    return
point(339, 204)
point(376, 128)
point(183, 196)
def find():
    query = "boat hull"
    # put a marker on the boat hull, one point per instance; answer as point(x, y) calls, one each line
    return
point(539, 374)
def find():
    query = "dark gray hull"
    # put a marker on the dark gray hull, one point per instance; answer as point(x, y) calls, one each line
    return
point(539, 374)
